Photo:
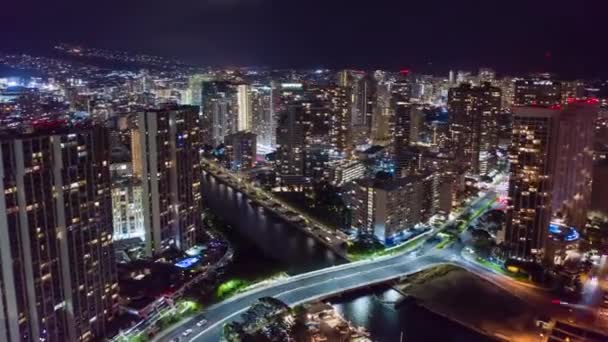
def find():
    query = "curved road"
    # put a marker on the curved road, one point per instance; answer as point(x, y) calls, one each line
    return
point(326, 283)
point(311, 286)
point(330, 281)
point(319, 284)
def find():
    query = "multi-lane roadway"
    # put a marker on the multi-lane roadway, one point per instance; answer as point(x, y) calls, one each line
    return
point(308, 287)
point(321, 284)
point(330, 281)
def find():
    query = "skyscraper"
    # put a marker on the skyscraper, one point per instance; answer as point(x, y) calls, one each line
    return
point(240, 150)
point(574, 164)
point(193, 94)
point(551, 165)
point(334, 100)
point(507, 89)
point(486, 75)
point(244, 119)
point(220, 111)
point(382, 115)
point(127, 211)
point(359, 91)
point(402, 135)
point(312, 125)
point(532, 158)
point(58, 269)
point(417, 124)
point(264, 120)
point(537, 91)
point(402, 124)
point(293, 131)
point(473, 117)
point(166, 156)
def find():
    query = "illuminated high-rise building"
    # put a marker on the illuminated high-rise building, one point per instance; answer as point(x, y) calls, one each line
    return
point(240, 150)
point(293, 133)
point(166, 146)
point(507, 89)
point(464, 77)
point(440, 134)
point(537, 92)
point(312, 126)
point(532, 159)
point(58, 274)
point(220, 111)
point(244, 119)
point(573, 90)
point(264, 120)
point(382, 115)
point(388, 208)
point(551, 165)
point(417, 124)
point(360, 92)
point(193, 94)
point(473, 119)
point(328, 112)
point(486, 75)
point(571, 197)
point(127, 210)
point(335, 99)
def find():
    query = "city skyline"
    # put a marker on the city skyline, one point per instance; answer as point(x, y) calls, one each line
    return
point(240, 170)
point(518, 37)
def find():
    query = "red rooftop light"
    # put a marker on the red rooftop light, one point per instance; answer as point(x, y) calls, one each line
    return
point(593, 100)
point(590, 100)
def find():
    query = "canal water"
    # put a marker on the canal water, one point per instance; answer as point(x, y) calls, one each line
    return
point(376, 311)
point(282, 245)
point(265, 245)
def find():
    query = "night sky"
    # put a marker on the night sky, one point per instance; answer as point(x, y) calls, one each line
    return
point(516, 36)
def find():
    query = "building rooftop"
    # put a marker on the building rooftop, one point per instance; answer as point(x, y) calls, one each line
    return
point(45, 127)
point(390, 184)
point(590, 105)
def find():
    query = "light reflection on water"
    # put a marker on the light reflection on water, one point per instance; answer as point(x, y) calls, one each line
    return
point(375, 310)
point(272, 236)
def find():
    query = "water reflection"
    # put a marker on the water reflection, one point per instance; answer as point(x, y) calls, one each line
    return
point(375, 310)
point(274, 237)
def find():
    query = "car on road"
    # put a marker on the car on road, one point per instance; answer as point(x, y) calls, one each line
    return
point(201, 323)
point(175, 340)
point(187, 332)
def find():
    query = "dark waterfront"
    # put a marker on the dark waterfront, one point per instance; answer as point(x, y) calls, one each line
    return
point(375, 310)
point(279, 245)
point(266, 245)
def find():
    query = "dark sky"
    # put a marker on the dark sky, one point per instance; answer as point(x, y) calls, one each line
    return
point(425, 35)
